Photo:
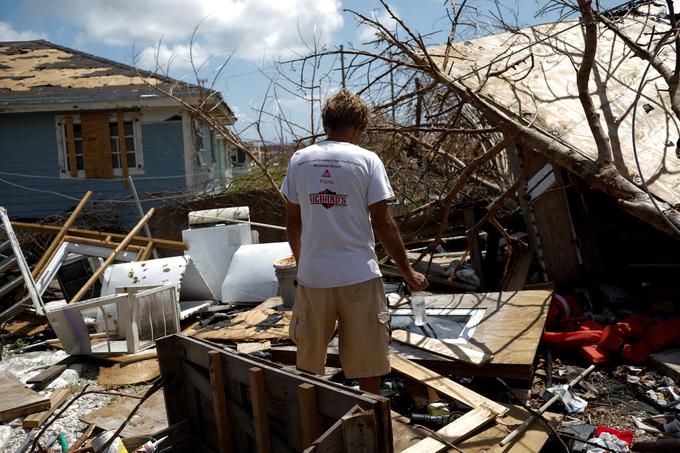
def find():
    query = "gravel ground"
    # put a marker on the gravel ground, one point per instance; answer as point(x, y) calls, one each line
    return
point(75, 378)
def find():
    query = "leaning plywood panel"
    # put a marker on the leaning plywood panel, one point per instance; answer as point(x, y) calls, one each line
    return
point(16, 400)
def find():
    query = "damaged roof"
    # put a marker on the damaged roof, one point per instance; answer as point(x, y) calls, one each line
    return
point(40, 72)
point(532, 74)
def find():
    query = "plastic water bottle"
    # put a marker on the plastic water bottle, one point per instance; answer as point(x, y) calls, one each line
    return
point(419, 308)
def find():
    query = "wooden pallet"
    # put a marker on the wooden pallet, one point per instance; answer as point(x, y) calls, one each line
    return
point(234, 402)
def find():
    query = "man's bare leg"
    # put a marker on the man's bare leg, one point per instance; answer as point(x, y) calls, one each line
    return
point(370, 384)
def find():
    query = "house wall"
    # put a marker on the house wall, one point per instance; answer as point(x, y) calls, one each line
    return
point(28, 145)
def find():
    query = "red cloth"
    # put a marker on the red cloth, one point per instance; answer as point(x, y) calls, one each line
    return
point(589, 324)
point(626, 436)
point(636, 353)
point(569, 340)
point(664, 334)
point(611, 339)
point(635, 325)
point(593, 354)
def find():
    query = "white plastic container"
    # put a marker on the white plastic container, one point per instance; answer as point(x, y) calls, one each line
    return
point(419, 308)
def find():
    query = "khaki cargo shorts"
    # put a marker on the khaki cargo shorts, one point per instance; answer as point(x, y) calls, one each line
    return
point(363, 328)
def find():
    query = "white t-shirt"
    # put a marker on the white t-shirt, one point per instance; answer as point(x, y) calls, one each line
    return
point(334, 183)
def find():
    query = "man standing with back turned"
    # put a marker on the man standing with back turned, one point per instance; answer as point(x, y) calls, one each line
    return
point(335, 190)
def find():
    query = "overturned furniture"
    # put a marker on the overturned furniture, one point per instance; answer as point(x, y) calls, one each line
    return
point(220, 400)
point(125, 323)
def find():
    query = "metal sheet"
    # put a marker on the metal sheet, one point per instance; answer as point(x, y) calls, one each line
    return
point(251, 275)
point(212, 250)
point(179, 271)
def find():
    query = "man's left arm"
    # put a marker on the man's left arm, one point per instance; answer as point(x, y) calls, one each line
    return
point(294, 228)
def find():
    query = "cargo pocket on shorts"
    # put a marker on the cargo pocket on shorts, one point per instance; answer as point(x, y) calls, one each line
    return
point(384, 322)
point(296, 323)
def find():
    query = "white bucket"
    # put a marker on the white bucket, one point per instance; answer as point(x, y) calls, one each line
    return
point(286, 272)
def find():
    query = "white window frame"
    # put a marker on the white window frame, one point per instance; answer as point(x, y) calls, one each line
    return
point(62, 147)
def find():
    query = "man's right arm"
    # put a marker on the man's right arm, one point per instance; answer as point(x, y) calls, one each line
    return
point(294, 228)
point(388, 234)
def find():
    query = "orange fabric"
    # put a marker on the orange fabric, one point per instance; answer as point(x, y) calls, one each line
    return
point(593, 354)
point(611, 339)
point(569, 340)
point(664, 334)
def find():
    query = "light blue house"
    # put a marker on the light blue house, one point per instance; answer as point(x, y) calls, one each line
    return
point(72, 122)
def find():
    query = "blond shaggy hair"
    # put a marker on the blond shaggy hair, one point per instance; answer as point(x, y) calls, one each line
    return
point(345, 110)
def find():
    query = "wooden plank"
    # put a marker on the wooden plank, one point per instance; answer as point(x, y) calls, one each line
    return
point(61, 232)
point(120, 121)
point(150, 417)
point(244, 327)
point(443, 385)
point(125, 359)
point(519, 272)
point(121, 375)
point(124, 243)
point(248, 348)
point(100, 243)
point(452, 351)
point(57, 398)
point(530, 441)
point(358, 433)
point(309, 421)
point(219, 399)
point(96, 145)
point(16, 400)
point(101, 235)
point(71, 147)
point(455, 431)
point(667, 362)
point(260, 419)
point(331, 440)
point(42, 379)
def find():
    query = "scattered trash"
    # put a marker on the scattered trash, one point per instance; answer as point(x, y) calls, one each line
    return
point(574, 404)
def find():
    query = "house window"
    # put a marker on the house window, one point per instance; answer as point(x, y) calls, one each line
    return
point(96, 147)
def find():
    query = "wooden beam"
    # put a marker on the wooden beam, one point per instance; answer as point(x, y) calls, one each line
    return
point(219, 400)
point(124, 243)
point(62, 231)
point(260, 419)
point(122, 150)
point(443, 385)
point(42, 379)
point(104, 236)
point(309, 421)
point(455, 431)
point(359, 433)
point(453, 351)
point(98, 243)
point(57, 398)
point(71, 148)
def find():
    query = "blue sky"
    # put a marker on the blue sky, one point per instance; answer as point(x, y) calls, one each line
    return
point(256, 32)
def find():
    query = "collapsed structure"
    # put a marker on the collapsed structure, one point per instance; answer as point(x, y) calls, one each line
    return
point(594, 277)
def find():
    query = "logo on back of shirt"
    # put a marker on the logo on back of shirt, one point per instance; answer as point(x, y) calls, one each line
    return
point(326, 174)
point(328, 199)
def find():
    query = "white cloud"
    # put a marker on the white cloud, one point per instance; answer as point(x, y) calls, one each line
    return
point(368, 33)
point(8, 33)
point(177, 57)
point(255, 28)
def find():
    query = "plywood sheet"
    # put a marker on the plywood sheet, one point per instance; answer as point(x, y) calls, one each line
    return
point(96, 145)
point(149, 419)
point(121, 375)
point(16, 400)
point(538, 82)
point(253, 325)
